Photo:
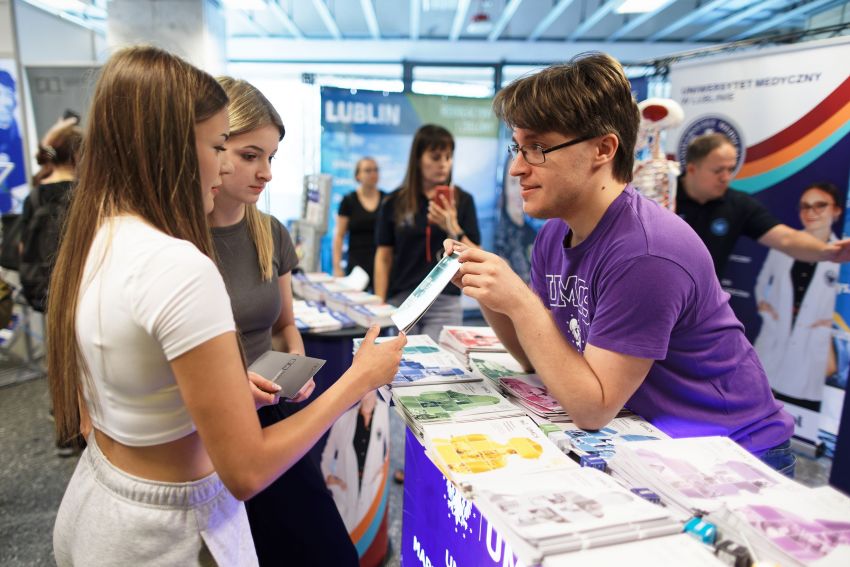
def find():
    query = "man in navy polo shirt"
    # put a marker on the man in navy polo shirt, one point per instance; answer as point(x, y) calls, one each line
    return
point(624, 308)
point(720, 215)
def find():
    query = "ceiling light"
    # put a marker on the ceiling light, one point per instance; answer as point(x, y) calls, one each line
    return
point(254, 5)
point(639, 6)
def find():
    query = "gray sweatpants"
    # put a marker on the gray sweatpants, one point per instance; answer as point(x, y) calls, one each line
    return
point(109, 517)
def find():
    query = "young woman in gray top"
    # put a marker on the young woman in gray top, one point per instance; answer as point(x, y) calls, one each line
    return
point(294, 521)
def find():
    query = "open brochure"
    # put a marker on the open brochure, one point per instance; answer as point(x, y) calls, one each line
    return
point(418, 302)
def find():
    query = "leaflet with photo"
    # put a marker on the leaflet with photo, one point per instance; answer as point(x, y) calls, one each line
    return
point(418, 302)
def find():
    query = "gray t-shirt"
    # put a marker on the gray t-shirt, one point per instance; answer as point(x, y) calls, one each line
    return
point(256, 304)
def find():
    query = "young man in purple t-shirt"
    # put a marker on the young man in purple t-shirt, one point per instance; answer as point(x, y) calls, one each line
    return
point(624, 307)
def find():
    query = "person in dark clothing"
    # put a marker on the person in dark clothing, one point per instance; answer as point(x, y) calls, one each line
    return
point(720, 215)
point(45, 208)
point(412, 223)
point(356, 217)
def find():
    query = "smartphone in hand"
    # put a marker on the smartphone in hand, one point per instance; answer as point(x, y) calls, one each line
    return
point(444, 195)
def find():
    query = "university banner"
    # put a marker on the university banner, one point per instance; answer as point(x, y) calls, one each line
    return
point(787, 111)
point(13, 176)
point(357, 123)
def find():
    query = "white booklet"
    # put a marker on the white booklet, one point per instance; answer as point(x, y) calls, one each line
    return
point(790, 528)
point(680, 549)
point(426, 293)
point(697, 473)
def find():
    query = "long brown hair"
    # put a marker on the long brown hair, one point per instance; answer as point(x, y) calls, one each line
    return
point(249, 110)
point(429, 137)
point(138, 158)
point(64, 150)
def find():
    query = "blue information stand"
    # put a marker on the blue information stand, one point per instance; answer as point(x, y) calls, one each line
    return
point(439, 526)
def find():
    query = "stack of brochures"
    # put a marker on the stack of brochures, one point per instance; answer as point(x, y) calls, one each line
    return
point(672, 550)
point(317, 286)
point(369, 314)
point(698, 474)
point(494, 365)
point(787, 527)
point(602, 442)
point(315, 317)
point(303, 282)
point(462, 341)
point(498, 450)
point(343, 300)
point(452, 403)
point(569, 510)
point(529, 392)
point(423, 362)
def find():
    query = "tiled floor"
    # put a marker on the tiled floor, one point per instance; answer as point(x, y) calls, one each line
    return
point(33, 478)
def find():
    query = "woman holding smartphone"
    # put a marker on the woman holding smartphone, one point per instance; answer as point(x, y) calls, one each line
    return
point(143, 355)
point(295, 520)
point(412, 223)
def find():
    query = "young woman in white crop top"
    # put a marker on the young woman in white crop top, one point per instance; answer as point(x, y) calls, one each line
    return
point(142, 337)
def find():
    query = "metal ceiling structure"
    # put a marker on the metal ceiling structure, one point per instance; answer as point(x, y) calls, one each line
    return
point(683, 21)
point(671, 21)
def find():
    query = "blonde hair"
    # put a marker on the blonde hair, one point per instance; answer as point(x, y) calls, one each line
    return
point(139, 158)
point(249, 110)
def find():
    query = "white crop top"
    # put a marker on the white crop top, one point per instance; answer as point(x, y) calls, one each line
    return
point(145, 299)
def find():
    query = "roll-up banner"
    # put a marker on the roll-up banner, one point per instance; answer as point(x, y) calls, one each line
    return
point(787, 111)
point(358, 123)
point(13, 174)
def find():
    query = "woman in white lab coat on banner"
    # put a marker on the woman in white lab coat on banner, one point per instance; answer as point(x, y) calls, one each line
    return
point(356, 483)
point(796, 301)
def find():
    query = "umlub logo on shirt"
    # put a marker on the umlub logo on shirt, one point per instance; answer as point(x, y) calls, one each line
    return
point(573, 293)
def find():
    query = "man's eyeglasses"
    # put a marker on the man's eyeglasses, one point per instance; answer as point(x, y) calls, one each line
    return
point(536, 154)
point(817, 207)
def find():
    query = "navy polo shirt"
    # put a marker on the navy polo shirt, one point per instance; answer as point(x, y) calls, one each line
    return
point(720, 222)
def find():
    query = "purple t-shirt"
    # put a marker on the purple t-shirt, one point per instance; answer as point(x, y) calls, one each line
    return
point(643, 284)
